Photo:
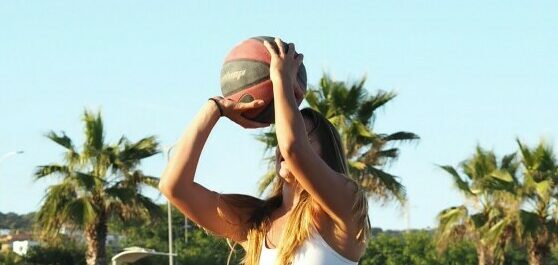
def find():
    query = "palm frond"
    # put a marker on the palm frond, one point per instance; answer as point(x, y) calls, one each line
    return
point(508, 162)
point(269, 139)
point(62, 140)
point(151, 209)
point(50, 216)
point(365, 114)
point(315, 99)
point(452, 216)
point(71, 155)
point(312, 99)
point(325, 85)
point(401, 136)
point(150, 181)
point(338, 120)
point(452, 225)
point(337, 97)
point(94, 133)
point(480, 165)
point(385, 185)
point(122, 194)
point(544, 190)
point(144, 148)
point(526, 156)
point(530, 224)
point(362, 130)
point(501, 180)
point(390, 153)
point(479, 220)
point(495, 232)
point(87, 181)
point(80, 211)
point(356, 94)
point(357, 165)
point(461, 184)
point(46, 170)
point(266, 181)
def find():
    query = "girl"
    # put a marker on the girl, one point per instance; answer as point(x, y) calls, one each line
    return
point(314, 215)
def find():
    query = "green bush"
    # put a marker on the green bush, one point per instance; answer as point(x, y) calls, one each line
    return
point(69, 254)
point(10, 258)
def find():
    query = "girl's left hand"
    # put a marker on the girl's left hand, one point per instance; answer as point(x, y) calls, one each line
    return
point(284, 66)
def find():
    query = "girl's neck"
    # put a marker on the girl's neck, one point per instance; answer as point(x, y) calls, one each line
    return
point(291, 195)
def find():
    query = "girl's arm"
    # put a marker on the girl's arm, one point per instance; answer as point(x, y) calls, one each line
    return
point(326, 186)
point(198, 203)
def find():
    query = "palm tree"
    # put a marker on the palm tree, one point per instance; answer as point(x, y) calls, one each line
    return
point(486, 219)
point(352, 110)
point(538, 220)
point(98, 182)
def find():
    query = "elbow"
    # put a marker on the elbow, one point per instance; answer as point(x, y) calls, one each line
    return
point(174, 189)
point(291, 149)
point(167, 189)
point(164, 188)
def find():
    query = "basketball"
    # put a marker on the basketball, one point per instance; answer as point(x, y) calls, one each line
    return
point(245, 77)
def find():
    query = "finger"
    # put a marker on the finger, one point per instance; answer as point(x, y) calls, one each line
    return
point(270, 48)
point(299, 58)
point(246, 123)
point(227, 102)
point(250, 105)
point(291, 49)
point(281, 47)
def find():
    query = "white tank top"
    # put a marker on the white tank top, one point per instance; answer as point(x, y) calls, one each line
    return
point(313, 251)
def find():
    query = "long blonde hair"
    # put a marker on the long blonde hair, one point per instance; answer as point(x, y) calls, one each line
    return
point(298, 225)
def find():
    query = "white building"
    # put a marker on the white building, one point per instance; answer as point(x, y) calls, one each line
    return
point(21, 247)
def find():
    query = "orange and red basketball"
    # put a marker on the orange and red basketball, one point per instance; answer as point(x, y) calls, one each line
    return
point(245, 76)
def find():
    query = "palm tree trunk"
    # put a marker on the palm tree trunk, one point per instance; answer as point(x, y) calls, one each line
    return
point(485, 257)
point(95, 237)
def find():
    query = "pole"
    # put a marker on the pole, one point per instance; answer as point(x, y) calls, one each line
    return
point(169, 149)
point(169, 209)
point(169, 215)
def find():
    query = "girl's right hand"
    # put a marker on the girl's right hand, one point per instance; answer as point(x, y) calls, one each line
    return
point(233, 110)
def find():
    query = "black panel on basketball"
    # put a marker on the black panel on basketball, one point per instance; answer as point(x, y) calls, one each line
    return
point(241, 74)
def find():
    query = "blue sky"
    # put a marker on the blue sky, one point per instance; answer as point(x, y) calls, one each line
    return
point(467, 73)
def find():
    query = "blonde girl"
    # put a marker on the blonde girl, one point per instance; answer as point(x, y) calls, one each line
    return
point(314, 215)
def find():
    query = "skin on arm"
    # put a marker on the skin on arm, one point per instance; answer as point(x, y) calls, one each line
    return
point(198, 203)
point(326, 186)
